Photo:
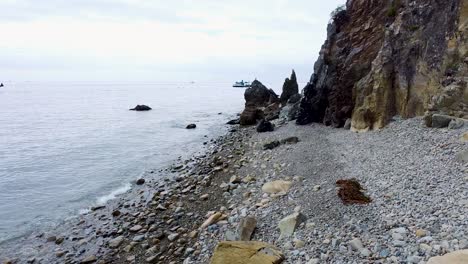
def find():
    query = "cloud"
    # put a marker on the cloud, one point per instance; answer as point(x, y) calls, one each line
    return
point(137, 35)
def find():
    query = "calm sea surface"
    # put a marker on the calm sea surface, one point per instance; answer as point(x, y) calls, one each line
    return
point(67, 146)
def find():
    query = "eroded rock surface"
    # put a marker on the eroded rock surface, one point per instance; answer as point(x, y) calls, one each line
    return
point(387, 58)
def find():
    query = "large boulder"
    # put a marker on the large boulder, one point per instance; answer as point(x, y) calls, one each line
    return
point(457, 257)
point(250, 115)
point(260, 102)
point(290, 88)
point(246, 252)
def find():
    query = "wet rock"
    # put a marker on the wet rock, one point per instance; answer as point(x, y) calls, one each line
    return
point(347, 124)
point(250, 115)
point(236, 252)
point(275, 187)
point(457, 257)
point(246, 228)
point(140, 181)
point(289, 224)
point(141, 108)
point(59, 240)
point(173, 237)
point(271, 145)
point(191, 126)
point(265, 126)
point(234, 122)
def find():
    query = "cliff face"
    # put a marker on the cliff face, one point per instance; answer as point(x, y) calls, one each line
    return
point(386, 58)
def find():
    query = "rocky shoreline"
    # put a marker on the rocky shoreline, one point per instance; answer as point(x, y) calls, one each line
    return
point(417, 184)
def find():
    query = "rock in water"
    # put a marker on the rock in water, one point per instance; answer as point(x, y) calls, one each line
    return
point(457, 257)
point(233, 122)
point(372, 71)
point(275, 187)
point(290, 88)
point(265, 126)
point(141, 108)
point(191, 126)
point(289, 224)
point(246, 252)
point(246, 228)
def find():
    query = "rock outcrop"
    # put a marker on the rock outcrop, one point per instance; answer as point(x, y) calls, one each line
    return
point(387, 58)
point(260, 102)
point(141, 108)
point(290, 88)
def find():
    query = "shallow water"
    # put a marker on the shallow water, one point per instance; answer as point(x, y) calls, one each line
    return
point(67, 146)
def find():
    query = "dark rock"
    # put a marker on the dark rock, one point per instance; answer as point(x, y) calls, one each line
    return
point(294, 98)
point(250, 115)
point(371, 71)
point(140, 181)
point(272, 145)
point(99, 207)
point(1, 84)
point(116, 213)
point(191, 126)
point(290, 88)
point(141, 108)
point(265, 126)
point(290, 140)
point(259, 104)
point(234, 122)
point(441, 121)
point(259, 95)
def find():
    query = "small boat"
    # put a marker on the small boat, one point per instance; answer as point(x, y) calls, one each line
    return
point(241, 84)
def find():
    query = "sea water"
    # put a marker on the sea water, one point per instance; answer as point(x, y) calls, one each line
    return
point(65, 146)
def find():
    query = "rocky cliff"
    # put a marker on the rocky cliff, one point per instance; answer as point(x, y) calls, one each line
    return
point(387, 58)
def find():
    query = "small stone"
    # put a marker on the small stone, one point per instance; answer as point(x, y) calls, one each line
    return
point(421, 233)
point(89, 259)
point(457, 257)
point(116, 242)
point(276, 187)
point(59, 240)
point(173, 237)
point(298, 243)
point(204, 197)
point(317, 188)
point(191, 126)
point(289, 224)
point(356, 244)
point(136, 228)
point(116, 213)
point(235, 180)
point(140, 181)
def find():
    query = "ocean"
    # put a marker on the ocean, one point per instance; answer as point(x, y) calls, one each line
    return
point(66, 146)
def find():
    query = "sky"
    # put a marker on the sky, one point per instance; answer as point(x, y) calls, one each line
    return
point(155, 40)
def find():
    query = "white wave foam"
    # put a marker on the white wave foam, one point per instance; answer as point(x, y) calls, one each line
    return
point(103, 199)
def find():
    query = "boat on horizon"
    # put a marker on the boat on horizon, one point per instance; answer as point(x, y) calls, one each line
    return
point(241, 84)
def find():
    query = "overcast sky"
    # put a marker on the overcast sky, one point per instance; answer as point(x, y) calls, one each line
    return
point(153, 40)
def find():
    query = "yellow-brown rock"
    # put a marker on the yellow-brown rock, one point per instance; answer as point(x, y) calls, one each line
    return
point(275, 187)
point(457, 257)
point(246, 252)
